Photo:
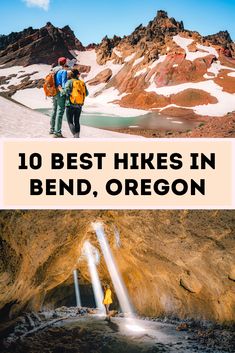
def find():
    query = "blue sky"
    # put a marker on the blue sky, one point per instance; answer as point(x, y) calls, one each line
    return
point(92, 20)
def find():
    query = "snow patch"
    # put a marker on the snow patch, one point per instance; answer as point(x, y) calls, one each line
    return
point(140, 72)
point(158, 61)
point(176, 122)
point(138, 61)
point(207, 77)
point(117, 52)
point(185, 42)
point(33, 98)
point(210, 50)
point(226, 101)
point(215, 68)
point(231, 74)
point(129, 58)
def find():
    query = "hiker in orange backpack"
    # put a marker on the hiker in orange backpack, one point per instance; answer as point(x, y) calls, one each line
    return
point(75, 92)
point(60, 79)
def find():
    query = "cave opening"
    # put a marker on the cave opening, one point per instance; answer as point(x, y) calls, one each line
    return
point(64, 295)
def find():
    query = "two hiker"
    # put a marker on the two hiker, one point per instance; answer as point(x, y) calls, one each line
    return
point(66, 92)
point(75, 92)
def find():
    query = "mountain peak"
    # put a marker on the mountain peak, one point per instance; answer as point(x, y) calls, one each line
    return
point(161, 14)
point(67, 28)
point(49, 24)
point(163, 21)
point(20, 48)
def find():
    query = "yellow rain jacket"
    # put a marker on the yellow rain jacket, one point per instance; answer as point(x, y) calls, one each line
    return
point(108, 297)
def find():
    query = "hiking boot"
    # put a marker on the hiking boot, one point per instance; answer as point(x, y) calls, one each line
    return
point(58, 135)
point(77, 135)
point(51, 132)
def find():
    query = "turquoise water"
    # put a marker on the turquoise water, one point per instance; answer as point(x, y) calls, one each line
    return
point(147, 121)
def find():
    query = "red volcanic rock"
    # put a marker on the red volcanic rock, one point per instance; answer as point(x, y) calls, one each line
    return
point(144, 100)
point(176, 70)
point(144, 38)
point(104, 50)
point(224, 41)
point(226, 61)
point(226, 52)
point(192, 97)
point(83, 68)
point(216, 127)
point(44, 45)
point(126, 82)
point(193, 47)
point(148, 100)
point(102, 77)
point(225, 81)
point(166, 69)
point(179, 112)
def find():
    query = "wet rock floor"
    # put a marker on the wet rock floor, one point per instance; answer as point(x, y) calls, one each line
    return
point(89, 333)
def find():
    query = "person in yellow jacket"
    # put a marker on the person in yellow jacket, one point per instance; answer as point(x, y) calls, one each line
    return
point(75, 91)
point(107, 300)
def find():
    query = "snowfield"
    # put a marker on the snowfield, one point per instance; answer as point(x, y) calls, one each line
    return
point(226, 101)
point(202, 49)
point(41, 69)
point(21, 122)
point(33, 98)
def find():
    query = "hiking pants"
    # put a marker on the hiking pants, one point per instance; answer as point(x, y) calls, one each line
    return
point(73, 118)
point(57, 113)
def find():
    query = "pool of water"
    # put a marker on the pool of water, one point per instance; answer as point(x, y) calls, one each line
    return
point(150, 120)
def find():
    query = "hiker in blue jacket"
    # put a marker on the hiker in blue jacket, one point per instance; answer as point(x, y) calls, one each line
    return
point(61, 78)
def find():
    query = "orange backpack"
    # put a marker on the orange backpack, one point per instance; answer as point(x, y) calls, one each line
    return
point(78, 93)
point(49, 85)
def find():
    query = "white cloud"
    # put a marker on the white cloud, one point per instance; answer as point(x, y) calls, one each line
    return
point(44, 4)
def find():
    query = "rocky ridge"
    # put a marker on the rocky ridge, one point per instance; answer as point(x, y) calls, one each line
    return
point(33, 46)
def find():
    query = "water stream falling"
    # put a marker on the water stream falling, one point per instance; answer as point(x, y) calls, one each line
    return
point(118, 284)
point(96, 285)
point(76, 286)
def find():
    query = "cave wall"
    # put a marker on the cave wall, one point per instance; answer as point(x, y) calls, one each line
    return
point(174, 263)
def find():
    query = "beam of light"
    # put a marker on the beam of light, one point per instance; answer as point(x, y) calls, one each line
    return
point(118, 284)
point(96, 285)
point(132, 326)
point(76, 287)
